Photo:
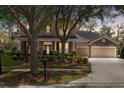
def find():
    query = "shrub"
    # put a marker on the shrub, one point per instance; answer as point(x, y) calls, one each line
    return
point(44, 52)
point(19, 55)
point(85, 59)
point(15, 57)
point(74, 58)
point(51, 58)
point(14, 49)
point(58, 58)
point(79, 58)
point(69, 58)
point(122, 52)
point(44, 57)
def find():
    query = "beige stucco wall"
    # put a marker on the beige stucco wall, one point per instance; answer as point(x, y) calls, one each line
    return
point(83, 51)
point(103, 52)
point(82, 48)
point(81, 44)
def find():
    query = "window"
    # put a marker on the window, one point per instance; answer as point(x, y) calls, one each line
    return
point(66, 47)
point(61, 32)
point(48, 29)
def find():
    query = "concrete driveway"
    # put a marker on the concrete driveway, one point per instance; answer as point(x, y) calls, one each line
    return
point(106, 72)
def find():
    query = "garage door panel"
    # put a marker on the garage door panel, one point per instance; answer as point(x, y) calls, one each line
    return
point(103, 52)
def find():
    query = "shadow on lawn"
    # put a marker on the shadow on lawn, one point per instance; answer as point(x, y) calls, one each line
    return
point(16, 79)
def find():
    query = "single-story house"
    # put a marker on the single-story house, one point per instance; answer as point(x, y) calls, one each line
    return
point(81, 42)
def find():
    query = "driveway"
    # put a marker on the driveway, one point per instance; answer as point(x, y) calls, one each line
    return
point(106, 72)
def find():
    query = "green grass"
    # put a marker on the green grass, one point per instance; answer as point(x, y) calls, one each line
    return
point(15, 79)
point(8, 62)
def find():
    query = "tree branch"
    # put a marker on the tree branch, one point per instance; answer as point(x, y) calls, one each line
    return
point(14, 15)
point(56, 22)
point(83, 13)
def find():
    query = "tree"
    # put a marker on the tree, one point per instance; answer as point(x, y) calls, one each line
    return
point(36, 18)
point(119, 30)
point(106, 31)
point(89, 25)
point(122, 52)
point(67, 17)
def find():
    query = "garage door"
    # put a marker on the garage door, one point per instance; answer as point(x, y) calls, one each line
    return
point(83, 51)
point(103, 52)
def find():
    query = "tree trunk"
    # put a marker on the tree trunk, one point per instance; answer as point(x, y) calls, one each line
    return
point(63, 50)
point(33, 55)
point(27, 52)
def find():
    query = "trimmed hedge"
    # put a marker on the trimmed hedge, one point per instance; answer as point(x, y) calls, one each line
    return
point(68, 57)
point(85, 59)
point(78, 59)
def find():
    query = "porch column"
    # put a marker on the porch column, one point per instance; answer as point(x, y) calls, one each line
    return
point(73, 48)
point(55, 46)
point(19, 45)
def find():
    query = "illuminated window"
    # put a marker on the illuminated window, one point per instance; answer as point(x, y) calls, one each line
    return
point(66, 47)
point(61, 32)
point(48, 29)
point(47, 43)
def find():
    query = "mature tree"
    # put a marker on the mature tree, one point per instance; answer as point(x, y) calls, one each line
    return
point(36, 18)
point(89, 25)
point(119, 30)
point(106, 30)
point(67, 17)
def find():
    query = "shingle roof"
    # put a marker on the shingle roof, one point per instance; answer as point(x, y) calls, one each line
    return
point(87, 36)
point(74, 37)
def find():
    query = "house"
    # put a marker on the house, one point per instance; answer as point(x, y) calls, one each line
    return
point(81, 42)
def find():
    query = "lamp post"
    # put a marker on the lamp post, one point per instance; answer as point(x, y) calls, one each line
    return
point(45, 60)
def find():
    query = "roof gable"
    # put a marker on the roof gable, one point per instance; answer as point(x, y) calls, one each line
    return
point(103, 41)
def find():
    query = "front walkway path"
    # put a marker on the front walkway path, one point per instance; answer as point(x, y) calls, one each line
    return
point(25, 70)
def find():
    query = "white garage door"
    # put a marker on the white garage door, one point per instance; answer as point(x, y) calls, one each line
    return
point(103, 52)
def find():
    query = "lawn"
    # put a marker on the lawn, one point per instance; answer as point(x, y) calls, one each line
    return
point(16, 79)
point(8, 62)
